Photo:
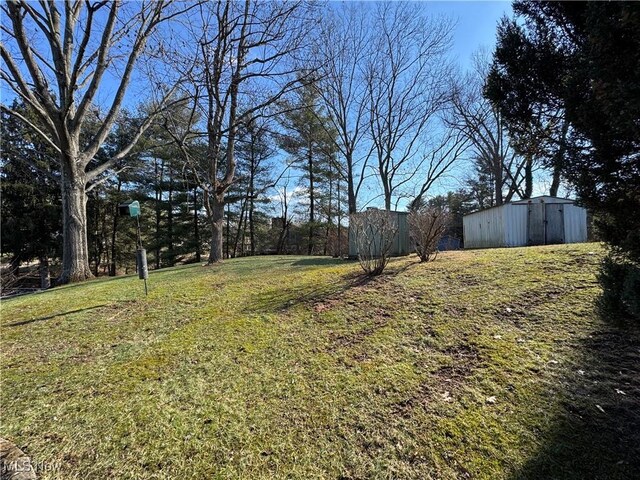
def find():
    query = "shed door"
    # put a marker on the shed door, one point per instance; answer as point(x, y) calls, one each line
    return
point(555, 223)
point(535, 224)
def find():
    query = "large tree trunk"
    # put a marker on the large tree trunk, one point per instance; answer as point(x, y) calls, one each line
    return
point(557, 161)
point(528, 177)
point(351, 192)
point(498, 183)
point(75, 250)
point(45, 279)
point(555, 183)
point(216, 221)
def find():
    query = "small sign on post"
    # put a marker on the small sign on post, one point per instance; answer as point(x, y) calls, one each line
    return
point(132, 209)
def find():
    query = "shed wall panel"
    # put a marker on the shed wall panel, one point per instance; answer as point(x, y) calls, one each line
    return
point(515, 225)
point(484, 229)
point(522, 223)
point(400, 246)
point(535, 224)
point(575, 224)
point(554, 223)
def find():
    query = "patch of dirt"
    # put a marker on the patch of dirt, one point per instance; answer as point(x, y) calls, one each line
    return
point(519, 308)
point(464, 358)
point(383, 285)
point(352, 339)
point(326, 305)
point(455, 311)
point(468, 280)
point(445, 382)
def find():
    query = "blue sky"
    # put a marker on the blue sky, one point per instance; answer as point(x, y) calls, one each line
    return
point(476, 25)
point(475, 29)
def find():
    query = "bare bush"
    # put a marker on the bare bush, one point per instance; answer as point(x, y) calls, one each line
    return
point(374, 232)
point(427, 225)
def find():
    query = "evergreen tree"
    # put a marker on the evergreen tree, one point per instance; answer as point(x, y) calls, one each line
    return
point(31, 207)
point(581, 59)
point(254, 149)
point(310, 142)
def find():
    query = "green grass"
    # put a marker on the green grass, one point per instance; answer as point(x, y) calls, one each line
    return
point(297, 367)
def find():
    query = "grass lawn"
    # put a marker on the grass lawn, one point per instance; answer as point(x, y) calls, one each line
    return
point(482, 364)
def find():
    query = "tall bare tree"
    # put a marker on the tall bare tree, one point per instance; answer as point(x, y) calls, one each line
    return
point(481, 123)
point(441, 153)
point(249, 54)
point(57, 58)
point(406, 87)
point(341, 54)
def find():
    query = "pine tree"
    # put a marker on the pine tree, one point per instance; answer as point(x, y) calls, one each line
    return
point(310, 140)
point(31, 207)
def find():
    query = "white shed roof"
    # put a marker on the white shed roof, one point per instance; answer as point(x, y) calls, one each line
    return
point(543, 199)
point(539, 199)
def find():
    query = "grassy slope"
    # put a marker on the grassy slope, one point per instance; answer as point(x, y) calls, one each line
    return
point(294, 367)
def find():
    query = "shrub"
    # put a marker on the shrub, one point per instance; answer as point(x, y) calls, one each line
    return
point(427, 225)
point(620, 281)
point(373, 232)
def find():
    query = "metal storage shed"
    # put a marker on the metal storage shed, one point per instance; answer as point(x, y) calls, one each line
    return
point(535, 221)
point(401, 244)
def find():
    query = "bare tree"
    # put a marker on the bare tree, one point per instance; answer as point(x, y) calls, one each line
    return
point(56, 59)
point(482, 125)
point(340, 56)
point(440, 156)
point(248, 52)
point(427, 225)
point(284, 221)
point(374, 232)
point(406, 86)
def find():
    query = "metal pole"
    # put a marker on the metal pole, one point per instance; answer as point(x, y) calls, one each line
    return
point(141, 258)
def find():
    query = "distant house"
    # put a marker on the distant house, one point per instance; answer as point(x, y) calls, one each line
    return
point(541, 220)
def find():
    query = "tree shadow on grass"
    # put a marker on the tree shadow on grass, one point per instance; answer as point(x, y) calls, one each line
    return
point(319, 261)
point(49, 317)
point(597, 436)
point(281, 298)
